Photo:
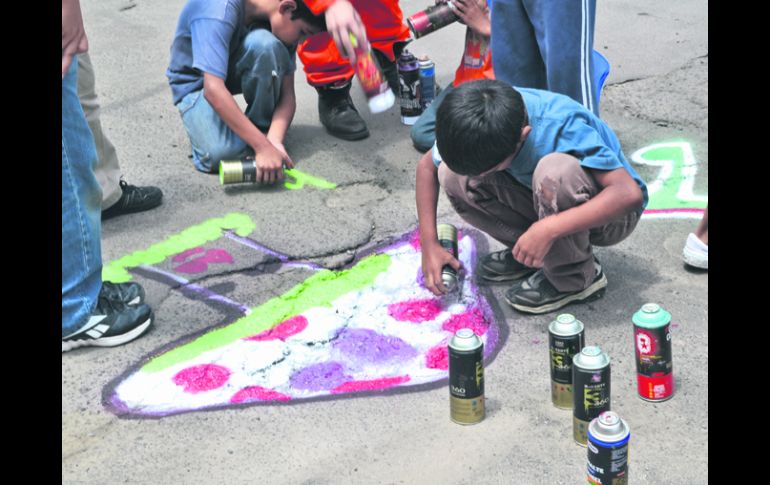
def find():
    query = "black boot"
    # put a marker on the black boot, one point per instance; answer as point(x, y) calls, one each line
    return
point(390, 68)
point(338, 115)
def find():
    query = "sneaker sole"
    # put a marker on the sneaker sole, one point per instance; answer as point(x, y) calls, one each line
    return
point(108, 341)
point(593, 292)
point(350, 136)
point(694, 259)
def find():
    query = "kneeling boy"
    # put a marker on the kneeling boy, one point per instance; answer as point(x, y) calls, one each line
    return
point(538, 172)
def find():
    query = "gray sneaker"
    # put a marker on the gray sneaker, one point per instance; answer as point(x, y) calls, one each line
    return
point(502, 266)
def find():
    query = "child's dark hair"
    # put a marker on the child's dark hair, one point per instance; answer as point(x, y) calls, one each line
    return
point(478, 125)
point(302, 12)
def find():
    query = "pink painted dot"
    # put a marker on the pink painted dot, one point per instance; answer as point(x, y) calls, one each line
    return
point(438, 357)
point(202, 378)
point(415, 311)
point(201, 264)
point(371, 385)
point(472, 319)
point(415, 240)
point(257, 393)
point(186, 254)
point(283, 330)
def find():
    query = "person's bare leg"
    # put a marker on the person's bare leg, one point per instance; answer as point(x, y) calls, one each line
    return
point(703, 228)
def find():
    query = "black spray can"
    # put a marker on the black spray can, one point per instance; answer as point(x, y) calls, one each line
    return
point(466, 377)
point(591, 389)
point(427, 82)
point(409, 82)
point(566, 337)
point(608, 437)
point(447, 238)
point(431, 19)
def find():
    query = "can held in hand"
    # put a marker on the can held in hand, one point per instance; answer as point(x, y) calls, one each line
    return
point(591, 389)
point(608, 437)
point(466, 377)
point(369, 73)
point(652, 341)
point(409, 87)
point(427, 82)
point(431, 19)
point(566, 337)
point(237, 171)
point(447, 238)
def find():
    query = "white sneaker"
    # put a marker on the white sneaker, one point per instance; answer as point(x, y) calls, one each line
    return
point(695, 252)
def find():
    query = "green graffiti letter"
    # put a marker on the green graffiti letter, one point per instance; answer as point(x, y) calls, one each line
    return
point(301, 178)
point(673, 188)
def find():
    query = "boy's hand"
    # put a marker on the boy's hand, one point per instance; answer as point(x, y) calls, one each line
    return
point(342, 20)
point(532, 246)
point(474, 14)
point(282, 150)
point(269, 162)
point(434, 258)
point(73, 34)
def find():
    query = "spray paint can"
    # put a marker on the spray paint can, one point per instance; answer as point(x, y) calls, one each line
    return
point(447, 238)
point(608, 437)
point(427, 82)
point(237, 171)
point(566, 337)
point(466, 377)
point(652, 340)
point(372, 81)
point(409, 81)
point(431, 19)
point(591, 389)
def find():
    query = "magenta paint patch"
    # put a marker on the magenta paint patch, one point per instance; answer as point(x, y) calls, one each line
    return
point(415, 240)
point(202, 378)
point(319, 377)
point(415, 311)
point(372, 385)
point(257, 393)
point(473, 319)
point(369, 347)
point(186, 254)
point(201, 264)
point(282, 331)
point(437, 357)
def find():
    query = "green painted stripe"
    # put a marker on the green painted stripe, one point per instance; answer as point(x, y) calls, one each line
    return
point(301, 178)
point(190, 238)
point(318, 290)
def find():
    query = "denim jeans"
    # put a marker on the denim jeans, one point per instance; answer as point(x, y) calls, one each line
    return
point(257, 71)
point(424, 129)
point(546, 45)
point(81, 200)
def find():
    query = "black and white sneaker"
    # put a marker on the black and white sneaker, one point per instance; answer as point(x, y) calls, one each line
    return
point(537, 295)
point(502, 266)
point(129, 293)
point(112, 323)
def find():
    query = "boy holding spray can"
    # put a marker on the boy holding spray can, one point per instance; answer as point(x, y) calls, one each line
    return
point(538, 172)
point(225, 47)
point(476, 63)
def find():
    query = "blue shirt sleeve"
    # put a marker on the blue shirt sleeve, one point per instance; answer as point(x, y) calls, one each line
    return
point(211, 46)
point(583, 141)
point(436, 155)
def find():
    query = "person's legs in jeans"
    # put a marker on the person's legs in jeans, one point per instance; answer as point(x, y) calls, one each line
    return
point(257, 71)
point(424, 129)
point(516, 55)
point(81, 207)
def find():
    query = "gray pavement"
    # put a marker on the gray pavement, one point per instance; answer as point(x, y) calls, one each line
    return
point(657, 92)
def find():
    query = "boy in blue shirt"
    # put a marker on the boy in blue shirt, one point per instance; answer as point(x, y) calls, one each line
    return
point(226, 47)
point(538, 172)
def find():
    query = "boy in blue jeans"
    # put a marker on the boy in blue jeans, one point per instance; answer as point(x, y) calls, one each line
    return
point(226, 47)
point(541, 174)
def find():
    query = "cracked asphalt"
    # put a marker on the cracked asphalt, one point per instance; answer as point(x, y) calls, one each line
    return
point(657, 92)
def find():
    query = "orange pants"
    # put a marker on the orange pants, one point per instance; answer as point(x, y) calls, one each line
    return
point(384, 27)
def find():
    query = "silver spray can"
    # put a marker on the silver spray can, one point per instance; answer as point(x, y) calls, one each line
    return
point(447, 238)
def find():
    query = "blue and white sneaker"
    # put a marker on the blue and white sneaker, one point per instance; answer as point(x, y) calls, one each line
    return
point(112, 323)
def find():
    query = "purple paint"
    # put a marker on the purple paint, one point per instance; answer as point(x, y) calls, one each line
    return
point(415, 311)
point(319, 377)
point(264, 249)
point(201, 264)
point(369, 347)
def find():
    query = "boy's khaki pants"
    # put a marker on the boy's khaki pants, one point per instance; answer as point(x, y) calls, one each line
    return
point(107, 170)
point(503, 208)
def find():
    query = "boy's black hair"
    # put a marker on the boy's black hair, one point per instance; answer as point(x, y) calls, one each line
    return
point(478, 125)
point(302, 12)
